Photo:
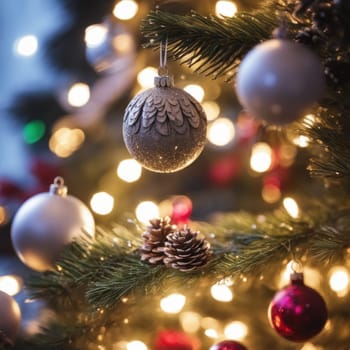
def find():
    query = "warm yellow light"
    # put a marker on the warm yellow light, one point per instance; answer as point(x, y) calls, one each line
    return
point(95, 35)
point(123, 43)
point(291, 207)
point(261, 157)
point(225, 8)
point(196, 91)
point(309, 346)
point(211, 109)
point(236, 330)
point(221, 292)
point(136, 345)
point(102, 203)
point(146, 77)
point(65, 141)
point(125, 9)
point(146, 211)
point(339, 280)
point(271, 193)
point(26, 45)
point(173, 303)
point(129, 170)
point(190, 321)
point(78, 94)
point(309, 120)
point(301, 141)
point(211, 333)
point(10, 284)
point(221, 132)
point(3, 215)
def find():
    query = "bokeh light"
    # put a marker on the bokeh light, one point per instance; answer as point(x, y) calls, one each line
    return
point(271, 193)
point(224, 8)
point(125, 9)
point(123, 43)
point(95, 35)
point(221, 132)
point(291, 206)
point(302, 141)
point(3, 215)
point(261, 157)
point(173, 303)
point(102, 203)
point(11, 284)
point(65, 141)
point(236, 330)
point(221, 292)
point(78, 94)
point(33, 131)
point(129, 170)
point(136, 345)
point(211, 109)
point(190, 321)
point(339, 280)
point(196, 91)
point(146, 77)
point(146, 211)
point(26, 45)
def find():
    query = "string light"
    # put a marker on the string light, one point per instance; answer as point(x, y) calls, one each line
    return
point(211, 109)
point(291, 206)
point(261, 157)
point(26, 45)
point(146, 77)
point(136, 345)
point(196, 91)
point(10, 284)
point(221, 132)
point(236, 330)
point(78, 94)
point(95, 35)
point(65, 141)
point(102, 203)
point(221, 292)
point(129, 170)
point(145, 211)
point(173, 303)
point(224, 8)
point(339, 280)
point(125, 9)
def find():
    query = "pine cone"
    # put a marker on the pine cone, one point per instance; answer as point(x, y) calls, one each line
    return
point(154, 238)
point(184, 251)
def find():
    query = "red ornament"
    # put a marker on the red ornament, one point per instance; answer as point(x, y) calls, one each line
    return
point(181, 211)
point(228, 345)
point(297, 312)
point(175, 340)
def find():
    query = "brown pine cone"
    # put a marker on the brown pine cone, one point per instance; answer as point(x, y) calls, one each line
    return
point(154, 238)
point(184, 251)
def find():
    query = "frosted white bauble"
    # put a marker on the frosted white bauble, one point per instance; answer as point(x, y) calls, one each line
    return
point(45, 223)
point(279, 80)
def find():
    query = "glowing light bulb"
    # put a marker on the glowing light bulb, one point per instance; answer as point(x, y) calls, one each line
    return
point(65, 141)
point(221, 132)
point(236, 330)
point(221, 292)
point(211, 333)
point(173, 303)
point(136, 345)
point(146, 211)
point(261, 157)
point(10, 284)
point(190, 321)
point(291, 206)
point(102, 203)
point(146, 77)
point(125, 9)
point(211, 109)
point(301, 141)
point(129, 170)
point(339, 280)
point(224, 8)
point(26, 45)
point(78, 95)
point(95, 35)
point(196, 91)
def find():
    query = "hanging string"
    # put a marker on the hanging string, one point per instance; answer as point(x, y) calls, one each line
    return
point(163, 57)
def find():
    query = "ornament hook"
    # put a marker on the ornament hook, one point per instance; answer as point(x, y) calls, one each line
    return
point(163, 57)
point(58, 187)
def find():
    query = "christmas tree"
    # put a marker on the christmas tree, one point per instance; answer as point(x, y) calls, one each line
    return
point(235, 233)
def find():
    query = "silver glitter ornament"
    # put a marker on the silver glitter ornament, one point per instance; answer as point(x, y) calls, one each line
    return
point(164, 127)
point(279, 80)
point(46, 222)
point(9, 321)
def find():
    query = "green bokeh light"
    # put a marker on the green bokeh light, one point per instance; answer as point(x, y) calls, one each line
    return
point(33, 131)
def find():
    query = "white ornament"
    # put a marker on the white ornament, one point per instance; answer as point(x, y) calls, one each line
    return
point(279, 80)
point(46, 222)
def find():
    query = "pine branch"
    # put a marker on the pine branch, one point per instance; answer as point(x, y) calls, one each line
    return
point(211, 45)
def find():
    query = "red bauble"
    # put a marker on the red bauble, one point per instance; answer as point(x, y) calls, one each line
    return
point(182, 210)
point(297, 312)
point(175, 340)
point(228, 345)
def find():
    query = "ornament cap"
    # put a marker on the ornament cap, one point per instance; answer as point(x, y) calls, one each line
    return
point(162, 81)
point(58, 187)
point(297, 278)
